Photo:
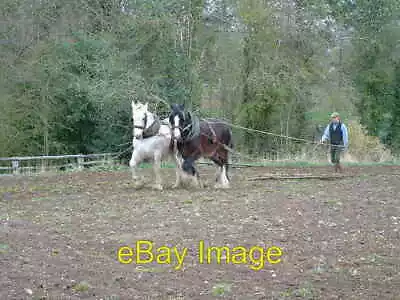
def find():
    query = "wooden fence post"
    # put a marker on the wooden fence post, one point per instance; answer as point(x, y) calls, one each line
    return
point(80, 162)
point(15, 166)
point(109, 159)
point(43, 165)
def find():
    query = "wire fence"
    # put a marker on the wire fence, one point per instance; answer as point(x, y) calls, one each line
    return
point(266, 147)
point(241, 156)
point(37, 164)
point(29, 165)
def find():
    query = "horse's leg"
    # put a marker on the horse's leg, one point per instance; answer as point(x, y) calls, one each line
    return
point(225, 157)
point(157, 170)
point(188, 167)
point(176, 153)
point(223, 154)
point(224, 177)
point(198, 182)
point(178, 170)
point(217, 161)
point(133, 163)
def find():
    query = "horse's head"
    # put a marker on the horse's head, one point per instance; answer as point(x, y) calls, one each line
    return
point(139, 118)
point(179, 120)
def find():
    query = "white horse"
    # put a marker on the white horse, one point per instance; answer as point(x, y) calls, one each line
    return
point(152, 140)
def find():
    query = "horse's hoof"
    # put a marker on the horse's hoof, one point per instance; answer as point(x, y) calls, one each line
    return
point(197, 183)
point(158, 187)
point(176, 185)
point(138, 182)
point(221, 186)
point(138, 187)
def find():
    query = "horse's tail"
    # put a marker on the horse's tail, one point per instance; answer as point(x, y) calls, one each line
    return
point(229, 147)
point(229, 143)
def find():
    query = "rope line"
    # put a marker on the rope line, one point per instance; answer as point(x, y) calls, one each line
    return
point(316, 143)
point(251, 129)
point(270, 133)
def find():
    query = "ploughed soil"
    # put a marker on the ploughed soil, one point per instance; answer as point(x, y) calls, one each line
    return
point(339, 238)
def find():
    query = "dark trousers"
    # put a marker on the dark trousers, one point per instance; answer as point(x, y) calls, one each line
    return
point(336, 150)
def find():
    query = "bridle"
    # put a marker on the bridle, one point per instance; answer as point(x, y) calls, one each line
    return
point(182, 130)
point(141, 127)
point(144, 121)
point(150, 130)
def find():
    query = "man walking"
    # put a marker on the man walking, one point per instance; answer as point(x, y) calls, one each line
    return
point(336, 132)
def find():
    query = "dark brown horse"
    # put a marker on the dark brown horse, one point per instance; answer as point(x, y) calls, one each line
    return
point(211, 138)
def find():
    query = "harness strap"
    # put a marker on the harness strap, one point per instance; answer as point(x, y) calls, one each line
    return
point(214, 137)
point(153, 129)
point(144, 125)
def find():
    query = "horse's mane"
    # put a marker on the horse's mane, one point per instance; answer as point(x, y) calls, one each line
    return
point(194, 130)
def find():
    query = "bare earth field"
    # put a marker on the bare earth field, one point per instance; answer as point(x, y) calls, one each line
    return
point(340, 239)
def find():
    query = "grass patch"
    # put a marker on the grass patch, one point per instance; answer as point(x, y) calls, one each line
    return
point(304, 291)
point(11, 189)
point(376, 259)
point(38, 188)
point(81, 287)
point(298, 164)
point(4, 248)
point(110, 167)
point(369, 164)
point(221, 289)
point(149, 269)
point(314, 164)
point(208, 199)
point(164, 165)
point(55, 252)
point(331, 202)
point(41, 198)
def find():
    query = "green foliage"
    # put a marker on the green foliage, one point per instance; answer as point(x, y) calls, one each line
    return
point(363, 147)
point(376, 71)
point(71, 69)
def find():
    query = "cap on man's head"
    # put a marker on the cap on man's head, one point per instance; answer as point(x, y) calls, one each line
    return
point(334, 115)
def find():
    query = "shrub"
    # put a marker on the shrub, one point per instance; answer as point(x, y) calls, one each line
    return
point(363, 147)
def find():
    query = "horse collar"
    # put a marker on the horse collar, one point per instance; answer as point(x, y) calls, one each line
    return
point(153, 129)
point(214, 136)
point(192, 128)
